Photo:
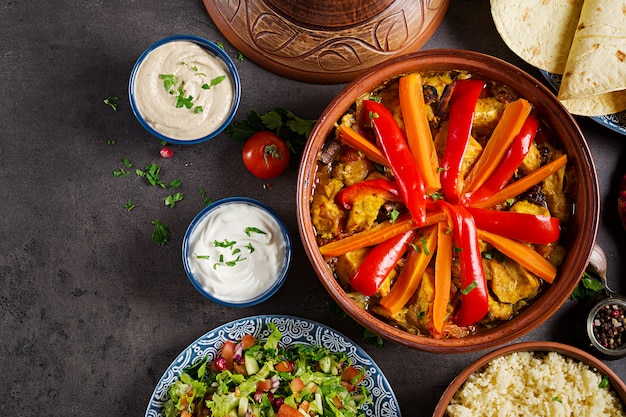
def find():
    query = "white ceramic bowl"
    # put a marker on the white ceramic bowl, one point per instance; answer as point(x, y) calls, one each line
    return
point(237, 252)
point(146, 87)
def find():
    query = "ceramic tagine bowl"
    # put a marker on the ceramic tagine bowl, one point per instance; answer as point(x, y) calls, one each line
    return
point(325, 41)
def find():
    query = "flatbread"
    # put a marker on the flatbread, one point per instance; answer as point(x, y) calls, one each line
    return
point(594, 80)
point(582, 40)
point(538, 31)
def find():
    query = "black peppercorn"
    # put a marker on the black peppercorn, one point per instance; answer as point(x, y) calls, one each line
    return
point(609, 326)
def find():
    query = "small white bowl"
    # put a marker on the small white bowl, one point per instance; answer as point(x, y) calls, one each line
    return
point(194, 69)
point(237, 252)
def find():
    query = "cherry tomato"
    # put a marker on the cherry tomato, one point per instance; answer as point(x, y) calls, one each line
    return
point(265, 155)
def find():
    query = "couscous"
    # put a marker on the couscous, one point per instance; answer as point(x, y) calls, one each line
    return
point(535, 384)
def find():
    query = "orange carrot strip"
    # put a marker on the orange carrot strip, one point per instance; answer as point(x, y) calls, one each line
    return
point(443, 272)
point(411, 276)
point(418, 134)
point(377, 234)
point(522, 254)
point(524, 183)
point(354, 139)
point(504, 134)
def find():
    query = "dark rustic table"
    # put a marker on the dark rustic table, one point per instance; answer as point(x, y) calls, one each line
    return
point(91, 310)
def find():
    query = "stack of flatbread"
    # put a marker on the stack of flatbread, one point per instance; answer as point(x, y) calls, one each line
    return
point(583, 40)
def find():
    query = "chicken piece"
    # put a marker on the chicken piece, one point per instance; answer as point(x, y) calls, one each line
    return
point(352, 167)
point(420, 312)
point(327, 216)
point(531, 161)
point(553, 188)
point(348, 263)
point(363, 213)
point(487, 113)
point(510, 282)
point(523, 206)
point(498, 310)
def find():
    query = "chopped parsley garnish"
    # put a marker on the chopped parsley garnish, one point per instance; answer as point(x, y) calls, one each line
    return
point(292, 129)
point(206, 200)
point(161, 232)
point(171, 200)
point(469, 288)
point(111, 102)
point(250, 230)
point(129, 205)
point(588, 287)
point(604, 383)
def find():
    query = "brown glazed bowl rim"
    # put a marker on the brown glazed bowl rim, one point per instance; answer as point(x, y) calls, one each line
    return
point(531, 346)
point(581, 233)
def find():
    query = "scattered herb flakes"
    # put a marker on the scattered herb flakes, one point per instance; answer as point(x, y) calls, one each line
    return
point(469, 288)
point(127, 163)
point(215, 81)
point(220, 45)
point(604, 383)
point(206, 200)
point(292, 129)
point(151, 173)
point(117, 173)
point(161, 232)
point(175, 183)
point(171, 200)
point(111, 142)
point(129, 205)
point(250, 230)
point(111, 102)
point(250, 247)
point(207, 257)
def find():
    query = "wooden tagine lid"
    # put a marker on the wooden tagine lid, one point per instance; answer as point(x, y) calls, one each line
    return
point(325, 41)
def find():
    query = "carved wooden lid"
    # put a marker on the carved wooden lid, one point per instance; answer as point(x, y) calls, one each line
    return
point(325, 41)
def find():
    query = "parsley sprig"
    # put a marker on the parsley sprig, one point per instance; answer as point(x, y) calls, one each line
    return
point(292, 129)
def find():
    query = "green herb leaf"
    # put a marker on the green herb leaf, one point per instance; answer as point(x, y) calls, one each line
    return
point(292, 129)
point(129, 205)
point(111, 102)
point(169, 82)
point(250, 247)
point(206, 200)
point(175, 183)
point(127, 163)
point(161, 232)
point(171, 200)
point(240, 56)
point(588, 287)
point(151, 173)
point(604, 383)
point(469, 288)
point(250, 230)
point(202, 256)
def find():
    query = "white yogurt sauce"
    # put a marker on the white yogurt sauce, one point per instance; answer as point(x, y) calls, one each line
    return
point(183, 64)
point(236, 252)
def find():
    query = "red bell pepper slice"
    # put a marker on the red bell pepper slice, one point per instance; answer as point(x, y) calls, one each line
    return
point(381, 186)
point(525, 227)
point(474, 295)
point(462, 106)
point(391, 140)
point(512, 160)
point(378, 264)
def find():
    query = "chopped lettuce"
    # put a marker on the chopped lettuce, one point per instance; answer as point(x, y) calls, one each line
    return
point(261, 389)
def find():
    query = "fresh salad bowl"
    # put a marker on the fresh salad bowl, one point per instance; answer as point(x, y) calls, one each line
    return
point(447, 248)
point(294, 331)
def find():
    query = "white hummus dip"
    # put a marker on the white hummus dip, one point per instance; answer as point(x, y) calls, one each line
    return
point(183, 91)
